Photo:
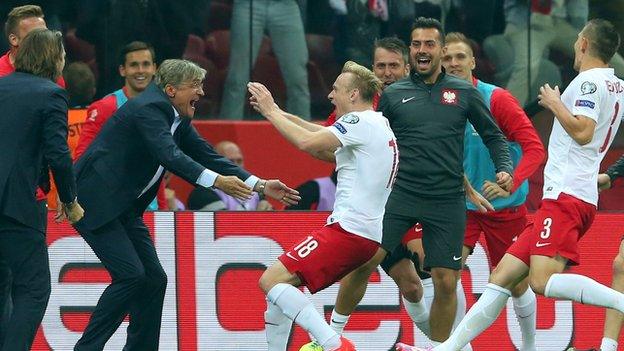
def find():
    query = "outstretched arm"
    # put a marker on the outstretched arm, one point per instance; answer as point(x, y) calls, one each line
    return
point(315, 143)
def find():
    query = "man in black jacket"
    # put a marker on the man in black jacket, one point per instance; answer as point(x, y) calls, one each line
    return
point(118, 176)
point(33, 127)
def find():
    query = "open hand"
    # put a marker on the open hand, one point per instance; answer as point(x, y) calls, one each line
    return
point(548, 96)
point(233, 186)
point(279, 191)
point(261, 99)
point(481, 203)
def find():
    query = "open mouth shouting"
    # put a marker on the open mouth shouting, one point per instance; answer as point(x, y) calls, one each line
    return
point(423, 63)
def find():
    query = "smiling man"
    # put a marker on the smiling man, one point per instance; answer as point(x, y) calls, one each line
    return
point(137, 65)
point(118, 176)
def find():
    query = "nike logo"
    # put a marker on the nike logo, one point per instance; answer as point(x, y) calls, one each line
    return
point(455, 258)
point(538, 244)
point(291, 256)
point(418, 229)
point(404, 100)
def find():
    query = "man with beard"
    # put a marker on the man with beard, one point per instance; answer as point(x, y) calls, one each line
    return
point(428, 113)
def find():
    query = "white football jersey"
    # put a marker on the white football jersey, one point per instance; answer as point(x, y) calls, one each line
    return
point(367, 163)
point(571, 168)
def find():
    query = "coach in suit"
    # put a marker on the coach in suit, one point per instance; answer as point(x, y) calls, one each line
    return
point(33, 127)
point(118, 176)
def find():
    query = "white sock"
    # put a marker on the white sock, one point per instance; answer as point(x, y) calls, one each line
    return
point(419, 313)
point(298, 308)
point(277, 327)
point(583, 289)
point(608, 344)
point(428, 292)
point(461, 310)
point(482, 314)
point(525, 307)
point(338, 322)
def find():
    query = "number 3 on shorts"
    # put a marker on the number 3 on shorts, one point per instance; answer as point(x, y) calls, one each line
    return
point(306, 246)
point(545, 234)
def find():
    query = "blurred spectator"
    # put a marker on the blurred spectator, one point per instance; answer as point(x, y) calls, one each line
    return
point(210, 199)
point(317, 194)
point(110, 24)
point(137, 66)
point(554, 25)
point(80, 84)
point(281, 19)
point(363, 26)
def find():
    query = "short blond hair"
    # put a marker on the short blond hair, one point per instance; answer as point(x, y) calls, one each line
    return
point(363, 80)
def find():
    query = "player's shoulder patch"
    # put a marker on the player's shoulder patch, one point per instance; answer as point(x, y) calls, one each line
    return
point(350, 118)
point(588, 87)
point(340, 127)
point(585, 103)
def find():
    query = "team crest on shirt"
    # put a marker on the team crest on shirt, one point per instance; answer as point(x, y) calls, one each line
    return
point(350, 118)
point(93, 115)
point(449, 97)
point(588, 88)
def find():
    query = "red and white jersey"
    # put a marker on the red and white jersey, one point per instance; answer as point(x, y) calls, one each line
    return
point(571, 168)
point(367, 163)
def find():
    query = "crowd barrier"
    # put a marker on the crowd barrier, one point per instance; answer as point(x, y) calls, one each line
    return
point(213, 262)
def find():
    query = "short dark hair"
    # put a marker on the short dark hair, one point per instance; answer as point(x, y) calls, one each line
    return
point(19, 13)
point(40, 53)
point(135, 46)
point(79, 83)
point(429, 23)
point(603, 37)
point(393, 44)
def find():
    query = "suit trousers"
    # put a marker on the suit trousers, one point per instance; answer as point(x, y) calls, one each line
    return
point(6, 304)
point(25, 253)
point(126, 250)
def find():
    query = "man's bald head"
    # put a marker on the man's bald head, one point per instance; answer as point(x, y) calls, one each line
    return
point(231, 151)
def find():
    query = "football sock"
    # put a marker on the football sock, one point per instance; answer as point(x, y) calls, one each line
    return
point(525, 307)
point(482, 314)
point(583, 289)
point(608, 344)
point(428, 292)
point(298, 308)
point(419, 313)
point(338, 322)
point(277, 327)
point(460, 313)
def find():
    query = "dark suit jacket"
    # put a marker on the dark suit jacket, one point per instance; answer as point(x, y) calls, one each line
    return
point(33, 126)
point(125, 155)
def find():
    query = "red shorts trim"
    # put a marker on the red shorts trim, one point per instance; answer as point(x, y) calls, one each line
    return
point(326, 255)
point(556, 228)
point(500, 229)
